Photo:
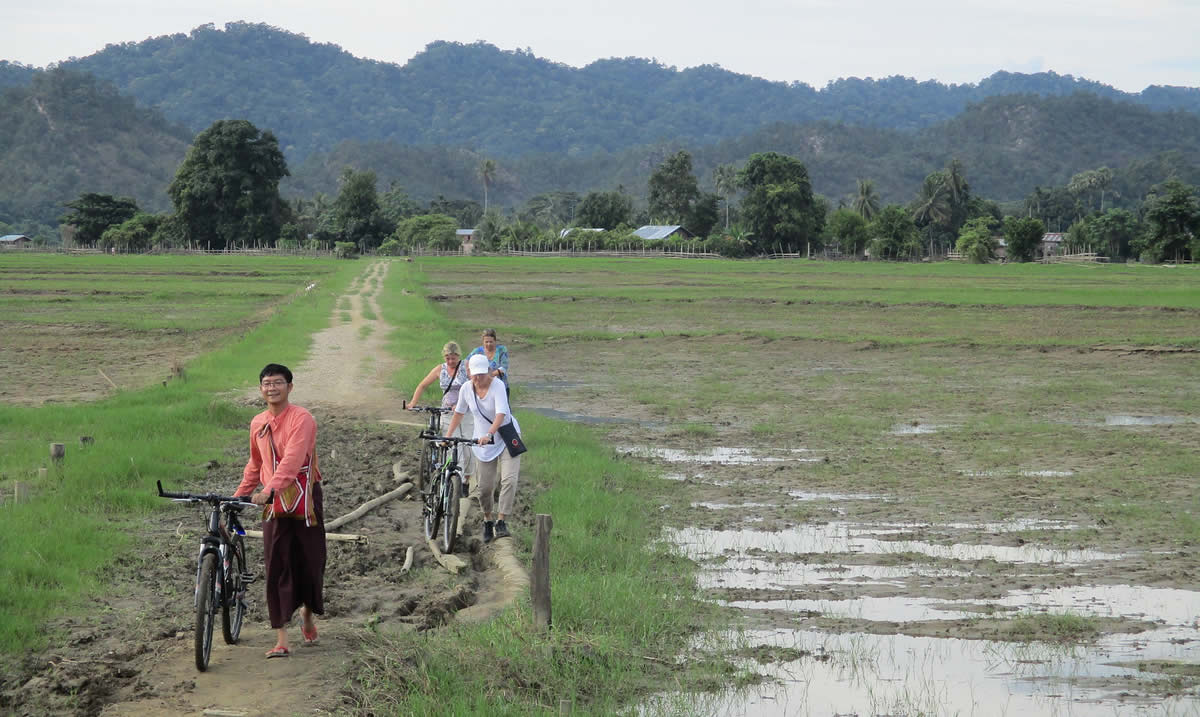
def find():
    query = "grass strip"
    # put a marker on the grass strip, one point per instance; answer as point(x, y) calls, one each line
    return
point(623, 605)
point(81, 516)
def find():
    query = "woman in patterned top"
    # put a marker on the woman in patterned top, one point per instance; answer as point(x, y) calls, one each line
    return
point(451, 375)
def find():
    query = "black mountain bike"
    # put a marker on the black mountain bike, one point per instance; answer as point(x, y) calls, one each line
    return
point(430, 460)
point(445, 489)
point(221, 575)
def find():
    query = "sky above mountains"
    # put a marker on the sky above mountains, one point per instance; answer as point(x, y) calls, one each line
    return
point(1128, 44)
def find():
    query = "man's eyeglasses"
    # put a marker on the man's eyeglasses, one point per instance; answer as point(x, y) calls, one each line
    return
point(278, 383)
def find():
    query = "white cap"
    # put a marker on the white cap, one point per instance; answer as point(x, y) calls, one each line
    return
point(478, 364)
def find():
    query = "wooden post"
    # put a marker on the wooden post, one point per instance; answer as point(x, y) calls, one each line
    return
point(58, 451)
point(540, 586)
point(41, 474)
point(20, 492)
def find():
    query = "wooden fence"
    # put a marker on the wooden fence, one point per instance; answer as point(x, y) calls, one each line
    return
point(1087, 257)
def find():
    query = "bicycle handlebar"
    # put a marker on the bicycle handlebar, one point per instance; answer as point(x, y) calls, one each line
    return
point(447, 439)
point(429, 409)
point(212, 498)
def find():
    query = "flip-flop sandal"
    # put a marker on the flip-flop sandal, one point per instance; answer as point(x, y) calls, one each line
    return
point(279, 651)
point(310, 638)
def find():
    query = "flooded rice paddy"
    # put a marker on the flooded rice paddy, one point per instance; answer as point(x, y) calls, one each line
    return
point(848, 617)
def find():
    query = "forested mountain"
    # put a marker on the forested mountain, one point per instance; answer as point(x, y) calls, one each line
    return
point(67, 133)
point(1008, 145)
point(314, 96)
point(15, 75)
point(426, 126)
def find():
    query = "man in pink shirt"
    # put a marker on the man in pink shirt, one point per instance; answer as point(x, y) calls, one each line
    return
point(283, 463)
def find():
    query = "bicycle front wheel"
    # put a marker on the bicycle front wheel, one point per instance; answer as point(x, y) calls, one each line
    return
point(451, 493)
point(424, 474)
point(206, 609)
point(433, 507)
point(233, 606)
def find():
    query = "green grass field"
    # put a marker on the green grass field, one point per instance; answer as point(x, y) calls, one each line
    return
point(830, 355)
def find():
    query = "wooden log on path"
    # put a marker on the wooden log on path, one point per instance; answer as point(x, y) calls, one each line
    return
point(539, 587)
point(365, 507)
point(399, 473)
point(408, 560)
point(106, 378)
point(453, 563)
point(340, 537)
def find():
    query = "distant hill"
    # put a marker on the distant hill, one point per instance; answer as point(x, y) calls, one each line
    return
point(67, 133)
point(314, 95)
point(1008, 146)
point(15, 74)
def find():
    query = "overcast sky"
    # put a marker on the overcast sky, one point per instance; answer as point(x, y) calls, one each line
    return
point(1125, 43)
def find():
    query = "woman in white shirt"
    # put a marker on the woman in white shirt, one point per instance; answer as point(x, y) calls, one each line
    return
point(487, 401)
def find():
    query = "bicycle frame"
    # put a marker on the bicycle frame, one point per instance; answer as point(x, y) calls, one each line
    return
point(221, 579)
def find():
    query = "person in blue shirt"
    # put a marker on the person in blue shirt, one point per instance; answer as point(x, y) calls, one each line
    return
point(496, 354)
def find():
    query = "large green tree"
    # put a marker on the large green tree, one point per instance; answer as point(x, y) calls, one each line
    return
point(849, 230)
point(975, 242)
point(673, 189)
point(1021, 235)
point(1172, 222)
point(604, 210)
point(894, 235)
point(779, 207)
point(1115, 230)
point(356, 212)
point(134, 235)
point(226, 191)
point(94, 213)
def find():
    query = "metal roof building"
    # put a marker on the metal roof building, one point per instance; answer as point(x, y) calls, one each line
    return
point(652, 231)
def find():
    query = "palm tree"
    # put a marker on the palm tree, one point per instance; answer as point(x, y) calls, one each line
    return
point(867, 201)
point(725, 177)
point(956, 183)
point(487, 172)
point(933, 203)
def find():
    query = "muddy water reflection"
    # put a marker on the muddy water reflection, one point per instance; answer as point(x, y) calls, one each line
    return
point(721, 456)
point(843, 537)
point(861, 674)
point(1148, 420)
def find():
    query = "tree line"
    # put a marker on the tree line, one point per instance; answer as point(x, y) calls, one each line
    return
point(226, 193)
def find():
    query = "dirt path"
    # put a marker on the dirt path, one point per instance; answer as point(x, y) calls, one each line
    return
point(348, 367)
point(133, 655)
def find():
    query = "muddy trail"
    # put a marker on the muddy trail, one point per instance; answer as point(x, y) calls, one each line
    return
point(129, 651)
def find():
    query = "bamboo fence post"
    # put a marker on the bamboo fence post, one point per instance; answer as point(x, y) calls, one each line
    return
point(540, 586)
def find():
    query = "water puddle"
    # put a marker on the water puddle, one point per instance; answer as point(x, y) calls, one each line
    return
point(1165, 606)
point(721, 455)
point(729, 506)
point(916, 428)
point(1024, 473)
point(805, 496)
point(856, 538)
point(1148, 420)
point(862, 674)
point(760, 574)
